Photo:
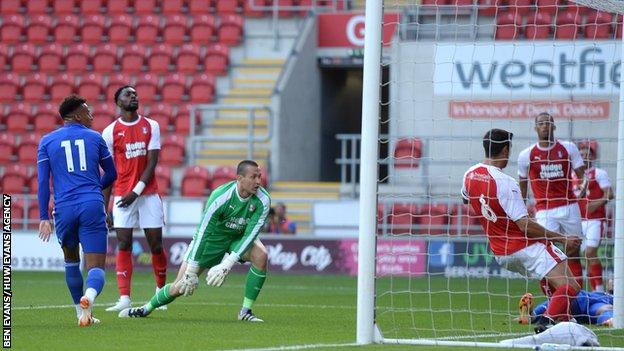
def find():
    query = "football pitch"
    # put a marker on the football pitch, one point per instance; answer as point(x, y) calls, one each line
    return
point(298, 311)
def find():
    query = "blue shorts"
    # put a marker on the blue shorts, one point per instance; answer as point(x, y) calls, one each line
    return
point(84, 224)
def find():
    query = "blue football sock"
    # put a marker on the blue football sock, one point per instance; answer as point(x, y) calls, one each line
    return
point(73, 278)
point(95, 279)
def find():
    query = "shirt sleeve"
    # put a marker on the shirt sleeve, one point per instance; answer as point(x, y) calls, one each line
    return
point(256, 222)
point(510, 199)
point(104, 149)
point(603, 179)
point(107, 135)
point(43, 181)
point(154, 143)
point(523, 163)
point(575, 155)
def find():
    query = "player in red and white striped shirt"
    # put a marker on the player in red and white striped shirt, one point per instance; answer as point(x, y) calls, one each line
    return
point(519, 244)
point(548, 165)
point(134, 142)
point(594, 215)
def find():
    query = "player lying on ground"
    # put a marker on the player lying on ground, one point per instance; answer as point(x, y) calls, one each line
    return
point(587, 308)
point(519, 243)
point(234, 215)
point(73, 155)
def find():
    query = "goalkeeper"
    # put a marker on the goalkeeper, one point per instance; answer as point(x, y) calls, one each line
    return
point(234, 215)
point(589, 307)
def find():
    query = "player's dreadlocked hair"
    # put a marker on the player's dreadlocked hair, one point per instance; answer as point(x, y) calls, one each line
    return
point(118, 92)
point(243, 165)
point(70, 104)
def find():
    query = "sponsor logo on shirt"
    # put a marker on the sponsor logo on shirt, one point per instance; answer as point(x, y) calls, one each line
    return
point(136, 149)
point(237, 223)
point(552, 170)
point(479, 177)
point(252, 208)
point(144, 130)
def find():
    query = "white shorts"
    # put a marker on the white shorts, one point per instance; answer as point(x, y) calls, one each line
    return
point(563, 219)
point(592, 231)
point(535, 260)
point(145, 212)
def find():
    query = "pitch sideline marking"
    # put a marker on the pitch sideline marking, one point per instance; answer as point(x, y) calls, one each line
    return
point(298, 347)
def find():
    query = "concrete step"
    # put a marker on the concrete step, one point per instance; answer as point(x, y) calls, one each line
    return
point(239, 122)
point(306, 186)
point(253, 83)
point(265, 62)
point(256, 72)
point(241, 113)
point(260, 132)
point(250, 92)
point(237, 144)
point(293, 195)
point(246, 100)
point(232, 153)
point(232, 162)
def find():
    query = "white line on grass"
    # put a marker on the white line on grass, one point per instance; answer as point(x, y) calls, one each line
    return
point(45, 307)
point(298, 347)
point(493, 335)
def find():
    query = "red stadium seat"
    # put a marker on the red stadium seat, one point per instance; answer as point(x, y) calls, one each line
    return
point(203, 29)
point(144, 7)
point(18, 118)
point(104, 58)
point(162, 114)
point(38, 29)
point(23, 58)
point(508, 25)
point(489, 7)
point(217, 59)
point(63, 7)
point(202, 89)
point(12, 28)
point(188, 59)
point(463, 222)
point(174, 29)
point(160, 59)
point(284, 4)
point(18, 214)
point(101, 120)
point(46, 119)
point(115, 82)
point(196, 181)
point(66, 29)
point(618, 27)
point(93, 29)
point(182, 120)
point(147, 29)
point(27, 149)
point(227, 7)
point(521, 7)
point(231, 29)
point(34, 87)
point(198, 6)
point(407, 153)
point(90, 87)
point(90, 7)
point(117, 7)
point(7, 147)
point(77, 58)
point(147, 87)
point(251, 7)
point(172, 151)
point(538, 26)
point(50, 58)
point(550, 6)
point(402, 218)
point(121, 28)
point(36, 7)
point(60, 87)
point(173, 89)
point(222, 175)
point(4, 56)
point(9, 87)
point(15, 179)
point(568, 25)
point(171, 7)
point(133, 58)
point(598, 25)
point(10, 7)
point(163, 178)
point(433, 218)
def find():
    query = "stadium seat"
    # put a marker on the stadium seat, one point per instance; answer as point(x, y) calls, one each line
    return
point(33, 184)
point(90, 7)
point(407, 153)
point(10, 7)
point(147, 29)
point(144, 7)
point(17, 212)
point(227, 7)
point(115, 82)
point(198, 6)
point(538, 26)
point(4, 56)
point(433, 219)
point(182, 119)
point(251, 7)
point(33, 216)
point(463, 220)
point(196, 181)
point(38, 29)
point(9, 87)
point(171, 7)
point(12, 28)
point(550, 6)
point(217, 59)
point(18, 118)
point(117, 7)
point(508, 25)
point(222, 175)
point(15, 179)
point(77, 59)
point(46, 119)
point(172, 150)
point(63, 7)
point(147, 87)
point(35, 87)
point(66, 29)
point(568, 25)
point(36, 7)
point(120, 28)
point(50, 59)
point(104, 58)
point(160, 59)
point(173, 89)
point(188, 59)
point(90, 87)
point(231, 29)
point(284, 4)
point(489, 7)
point(23, 58)
point(93, 29)
point(598, 25)
point(203, 29)
point(162, 114)
point(133, 58)
point(174, 30)
point(7, 147)
point(61, 86)
point(401, 218)
point(163, 178)
point(27, 148)
point(202, 89)
point(521, 7)
point(101, 120)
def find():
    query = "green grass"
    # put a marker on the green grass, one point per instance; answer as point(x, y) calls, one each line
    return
point(298, 310)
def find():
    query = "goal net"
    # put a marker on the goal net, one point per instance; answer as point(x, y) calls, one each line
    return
point(450, 71)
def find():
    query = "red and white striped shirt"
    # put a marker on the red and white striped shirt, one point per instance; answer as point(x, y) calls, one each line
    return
point(598, 180)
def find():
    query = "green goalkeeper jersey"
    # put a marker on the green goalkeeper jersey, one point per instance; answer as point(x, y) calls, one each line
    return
point(229, 223)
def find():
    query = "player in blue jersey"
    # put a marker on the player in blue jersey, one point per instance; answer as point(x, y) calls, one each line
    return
point(73, 155)
point(587, 308)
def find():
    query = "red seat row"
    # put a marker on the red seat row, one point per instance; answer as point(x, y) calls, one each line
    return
point(146, 29)
point(434, 218)
point(198, 181)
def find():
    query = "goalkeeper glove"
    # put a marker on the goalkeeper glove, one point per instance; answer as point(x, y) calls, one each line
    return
point(216, 275)
point(186, 286)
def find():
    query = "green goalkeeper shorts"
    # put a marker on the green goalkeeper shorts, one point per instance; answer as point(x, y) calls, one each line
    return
point(210, 251)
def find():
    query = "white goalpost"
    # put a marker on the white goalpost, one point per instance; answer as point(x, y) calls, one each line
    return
point(437, 76)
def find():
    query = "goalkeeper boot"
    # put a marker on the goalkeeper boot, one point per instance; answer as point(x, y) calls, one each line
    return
point(525, 305)
point(246, 315)
point(133, 312)
point(86, 316)
point(123, 303)
point(543, 323)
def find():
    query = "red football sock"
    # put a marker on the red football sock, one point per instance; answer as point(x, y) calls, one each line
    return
point(159, 264)
point(559, 305)
point(124, 271)
point(576, 269)
point(595, 275)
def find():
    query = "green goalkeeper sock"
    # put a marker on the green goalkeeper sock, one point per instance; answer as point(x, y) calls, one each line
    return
point(161, 298)
point(255, 281)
